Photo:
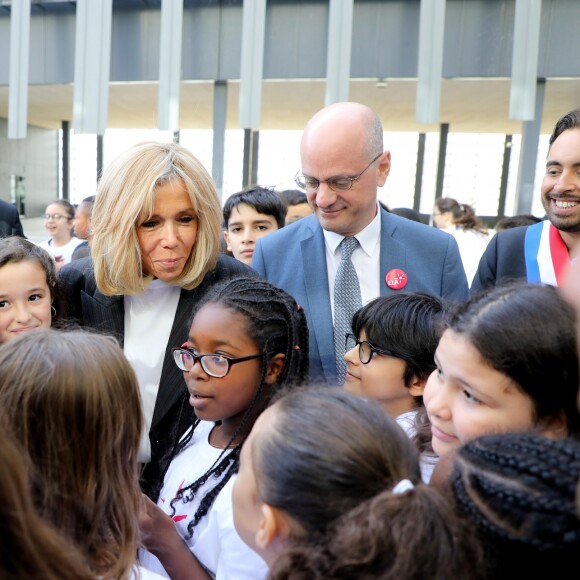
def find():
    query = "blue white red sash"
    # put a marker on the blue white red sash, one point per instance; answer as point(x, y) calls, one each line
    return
point(547, 258)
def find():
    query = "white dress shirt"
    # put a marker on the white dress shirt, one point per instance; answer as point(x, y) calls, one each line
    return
point(366, 260)
point(148, 321)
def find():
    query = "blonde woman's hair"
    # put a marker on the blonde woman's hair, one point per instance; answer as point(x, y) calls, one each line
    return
point(125, 198)
point(74, 403)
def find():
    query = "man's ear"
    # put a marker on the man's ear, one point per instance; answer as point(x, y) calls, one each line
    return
point(275, 366)
point(274, 524)
point(417, 386)
point(384, 168)
point(229, 248)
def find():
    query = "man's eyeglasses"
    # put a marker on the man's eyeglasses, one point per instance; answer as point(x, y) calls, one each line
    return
point(54, 216)
point(336, 183)
point(365, 348)
point(215, 365)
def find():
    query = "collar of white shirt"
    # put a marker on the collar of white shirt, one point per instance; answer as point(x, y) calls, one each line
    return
point(367, 238)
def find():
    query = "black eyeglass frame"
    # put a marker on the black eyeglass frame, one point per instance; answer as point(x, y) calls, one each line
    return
point(331, 180)
point(372, 349)
point(200, 357)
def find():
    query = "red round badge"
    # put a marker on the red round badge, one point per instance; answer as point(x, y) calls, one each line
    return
point(396, 279)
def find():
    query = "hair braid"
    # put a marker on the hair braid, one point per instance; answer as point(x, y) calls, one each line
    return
point(278, 326)
point(519, 492)
point(209, 498)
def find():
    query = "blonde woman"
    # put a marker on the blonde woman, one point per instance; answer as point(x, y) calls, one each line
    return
point(156, 228)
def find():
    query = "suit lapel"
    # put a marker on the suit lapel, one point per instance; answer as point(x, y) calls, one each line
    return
point(106, 313)
point(318, 308)
point(393, 252)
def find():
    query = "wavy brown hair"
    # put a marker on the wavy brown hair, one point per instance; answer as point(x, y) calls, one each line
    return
point(30, 547)
point(73, 400)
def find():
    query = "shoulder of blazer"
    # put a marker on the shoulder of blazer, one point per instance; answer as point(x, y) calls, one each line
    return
point(511, 237)
point(79, 273)
point(228, 266)
point(398, 226)
point(287, 236)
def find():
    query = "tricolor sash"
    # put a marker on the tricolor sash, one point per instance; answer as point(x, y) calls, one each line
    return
point(546, 254)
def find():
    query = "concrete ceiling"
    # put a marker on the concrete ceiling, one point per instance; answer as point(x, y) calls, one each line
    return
point(467, 105)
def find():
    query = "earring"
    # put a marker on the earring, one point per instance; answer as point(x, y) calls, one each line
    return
point(53, 311)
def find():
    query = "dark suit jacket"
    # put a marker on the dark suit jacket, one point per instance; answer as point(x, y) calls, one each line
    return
point(294, 259)
point(10, 224)
point(172, 414)
point(503, 260)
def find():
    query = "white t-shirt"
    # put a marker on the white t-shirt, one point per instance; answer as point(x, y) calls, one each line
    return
point(65, 251)
point(427, 461)
point(471, 244)
point(215, 542)
point(140, 573)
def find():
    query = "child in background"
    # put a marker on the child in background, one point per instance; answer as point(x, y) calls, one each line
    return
point(30, 547)
point(517, 492)
point(296, 203)
point(28, 288)
point(470, 233)
point(315, 503)
point(58, 221)
point(390, 356)
point(247, 340)
point(507, 362)
point(82, 227)
point(248, 216)
point(73, 402)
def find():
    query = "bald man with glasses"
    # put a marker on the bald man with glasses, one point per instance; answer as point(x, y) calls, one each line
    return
point(343, 165)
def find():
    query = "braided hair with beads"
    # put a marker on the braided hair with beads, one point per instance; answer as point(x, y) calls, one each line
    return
point(277, 324)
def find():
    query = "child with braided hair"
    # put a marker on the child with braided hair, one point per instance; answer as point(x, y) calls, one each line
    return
point(517, 492)
point(247, 340)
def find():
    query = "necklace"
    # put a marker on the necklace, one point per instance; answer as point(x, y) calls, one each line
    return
point(213, 435)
